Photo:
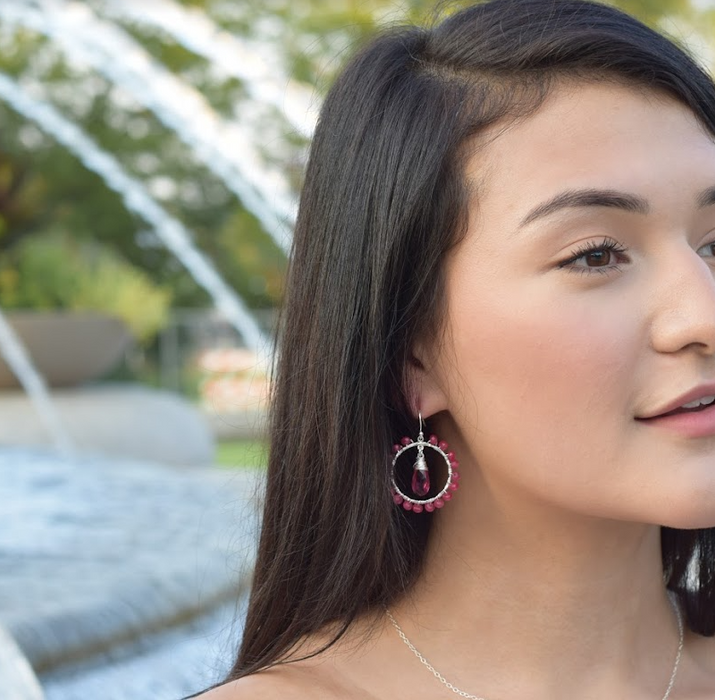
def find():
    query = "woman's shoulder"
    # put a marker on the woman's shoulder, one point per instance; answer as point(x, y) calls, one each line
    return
point(327, 668)
point(290, 682)
point(259, 685)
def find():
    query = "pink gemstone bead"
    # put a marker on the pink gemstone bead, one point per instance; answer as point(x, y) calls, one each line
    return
point(453, 486)
point(433, 440)
point(397, 499)
point(420, 483)
point(450, 456)
point(406, 441)
point(429, 507)
point(455, 475)
point(416, 508)
point(443, 446)
point(455, 464)
point(407, 505)
point(396, 448)
point(447, 496)
point(439, 503)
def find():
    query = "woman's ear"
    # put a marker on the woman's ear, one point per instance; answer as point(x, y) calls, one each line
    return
point(425, 394)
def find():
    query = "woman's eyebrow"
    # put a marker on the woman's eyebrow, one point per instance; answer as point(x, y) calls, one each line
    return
point(707, 197)
point(590, 198)
point(604, 198)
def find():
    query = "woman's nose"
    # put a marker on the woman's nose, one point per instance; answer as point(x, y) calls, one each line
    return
point(684, 311)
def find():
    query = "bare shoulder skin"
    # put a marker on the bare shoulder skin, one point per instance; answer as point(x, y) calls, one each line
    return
point(356, 667)
point(285, 683)
point(304, 680)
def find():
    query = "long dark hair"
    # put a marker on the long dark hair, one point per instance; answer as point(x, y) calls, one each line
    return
point(384, 200)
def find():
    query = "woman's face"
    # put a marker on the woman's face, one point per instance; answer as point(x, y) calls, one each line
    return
point(581, 300)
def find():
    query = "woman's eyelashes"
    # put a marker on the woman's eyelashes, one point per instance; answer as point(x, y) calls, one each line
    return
point(596, 256)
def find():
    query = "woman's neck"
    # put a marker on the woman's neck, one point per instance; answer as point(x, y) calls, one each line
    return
point(530, 604)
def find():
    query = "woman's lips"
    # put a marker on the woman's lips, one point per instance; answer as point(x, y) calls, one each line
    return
point(692, 424)
point(695, 394)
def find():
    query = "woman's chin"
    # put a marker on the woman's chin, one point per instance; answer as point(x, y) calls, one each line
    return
point(691, 519)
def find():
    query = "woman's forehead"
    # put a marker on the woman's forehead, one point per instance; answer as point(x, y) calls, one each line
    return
point(596, 135)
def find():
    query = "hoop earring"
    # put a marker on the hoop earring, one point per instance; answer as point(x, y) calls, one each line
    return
point(420, 483)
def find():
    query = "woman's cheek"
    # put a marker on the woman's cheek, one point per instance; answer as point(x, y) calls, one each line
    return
point(549, 378)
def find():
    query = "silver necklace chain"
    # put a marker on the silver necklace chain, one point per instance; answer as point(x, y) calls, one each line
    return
point(462, 694)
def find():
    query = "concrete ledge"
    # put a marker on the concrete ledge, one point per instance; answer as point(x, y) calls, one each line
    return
point(17, 680)
point(117, 420)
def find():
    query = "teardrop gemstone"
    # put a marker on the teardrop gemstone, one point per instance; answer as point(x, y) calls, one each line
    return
point(420, 482)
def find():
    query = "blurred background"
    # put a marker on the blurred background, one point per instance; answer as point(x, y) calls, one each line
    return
point(151, 156)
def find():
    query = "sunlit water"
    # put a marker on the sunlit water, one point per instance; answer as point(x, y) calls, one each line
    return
point(107, 546)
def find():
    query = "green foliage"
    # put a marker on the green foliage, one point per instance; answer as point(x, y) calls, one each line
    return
point(652, 12)
point(242, 453)
point(54, 271)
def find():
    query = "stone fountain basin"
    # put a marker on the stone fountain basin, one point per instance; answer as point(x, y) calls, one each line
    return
point(68, 348)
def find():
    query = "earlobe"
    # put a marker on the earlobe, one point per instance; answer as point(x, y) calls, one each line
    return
point(424, 392)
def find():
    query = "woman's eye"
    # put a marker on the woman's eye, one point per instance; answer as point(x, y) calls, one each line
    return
point(597, 257)
point(708, 250)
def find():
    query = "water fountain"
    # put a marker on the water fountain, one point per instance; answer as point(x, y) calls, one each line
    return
point(222, 146)
point(57, 494)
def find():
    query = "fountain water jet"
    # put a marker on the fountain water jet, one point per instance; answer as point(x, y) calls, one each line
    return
point(220, 145)
point(265, 80)
point(171, 232)
point(18, 359)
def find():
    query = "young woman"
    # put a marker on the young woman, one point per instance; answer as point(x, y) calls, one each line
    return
point(506, 238)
